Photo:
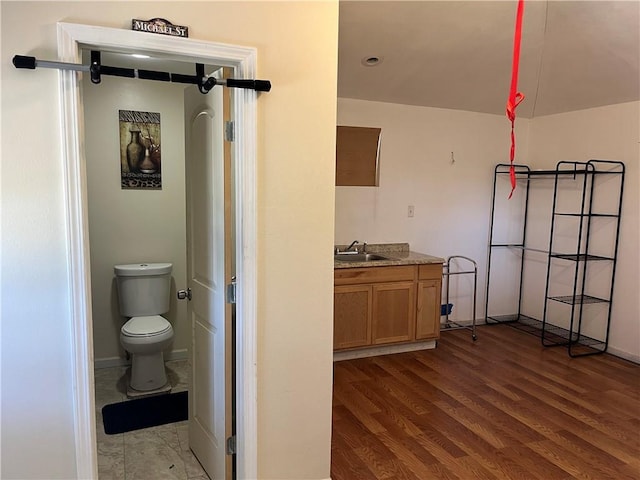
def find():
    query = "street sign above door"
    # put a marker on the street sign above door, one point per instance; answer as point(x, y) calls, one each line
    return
point(159, 26)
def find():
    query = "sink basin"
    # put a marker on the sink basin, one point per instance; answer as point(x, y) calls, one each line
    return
point(359, 257)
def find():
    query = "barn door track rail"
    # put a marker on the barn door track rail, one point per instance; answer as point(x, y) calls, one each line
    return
point(96, 70)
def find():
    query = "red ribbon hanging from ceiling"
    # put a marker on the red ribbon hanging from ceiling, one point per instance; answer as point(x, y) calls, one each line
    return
point(515, 97)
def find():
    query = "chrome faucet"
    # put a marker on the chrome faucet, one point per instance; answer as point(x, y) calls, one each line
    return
point(355, 242)
point(348, 249)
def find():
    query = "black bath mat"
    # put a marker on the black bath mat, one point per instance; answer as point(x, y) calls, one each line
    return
point(145, 412)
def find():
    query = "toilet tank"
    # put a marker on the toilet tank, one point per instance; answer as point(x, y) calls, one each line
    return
point(143, 288)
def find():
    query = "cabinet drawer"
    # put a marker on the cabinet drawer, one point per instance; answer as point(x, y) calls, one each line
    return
point(353, 276)
point(430, 272)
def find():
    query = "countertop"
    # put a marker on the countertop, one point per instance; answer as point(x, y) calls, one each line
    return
point(397, 253)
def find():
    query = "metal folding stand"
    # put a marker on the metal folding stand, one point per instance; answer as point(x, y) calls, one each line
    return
point(447, 273)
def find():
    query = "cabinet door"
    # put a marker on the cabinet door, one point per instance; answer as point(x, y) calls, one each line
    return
point(428, 311)
point(352, 306)
point(393, 312)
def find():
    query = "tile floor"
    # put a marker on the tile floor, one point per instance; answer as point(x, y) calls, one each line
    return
point(156, 453)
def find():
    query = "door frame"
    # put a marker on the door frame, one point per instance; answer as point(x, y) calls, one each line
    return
point(72, 38)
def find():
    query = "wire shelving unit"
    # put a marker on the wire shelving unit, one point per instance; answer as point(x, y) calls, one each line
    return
point(583, 225)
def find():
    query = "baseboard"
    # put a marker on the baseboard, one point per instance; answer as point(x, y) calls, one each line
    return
point(383, 350)
point(464, 323)
point(181, 354)
point(632, 357)
point(109, 362)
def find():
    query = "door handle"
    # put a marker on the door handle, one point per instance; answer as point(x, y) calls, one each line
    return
point(182, 294)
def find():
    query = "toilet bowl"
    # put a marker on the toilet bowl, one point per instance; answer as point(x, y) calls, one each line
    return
point(145, 338)
point(143, 294)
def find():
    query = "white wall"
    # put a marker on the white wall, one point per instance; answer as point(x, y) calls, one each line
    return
point(605, 133)
point(452, 200)
point(133, 226)
point(297, 51)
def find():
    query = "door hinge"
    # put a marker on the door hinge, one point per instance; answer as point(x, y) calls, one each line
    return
point(231, 291)
point(229, 131)
point(231, 445)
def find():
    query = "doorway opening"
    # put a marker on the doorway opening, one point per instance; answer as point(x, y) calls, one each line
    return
point(136, 217)
point(72, 39)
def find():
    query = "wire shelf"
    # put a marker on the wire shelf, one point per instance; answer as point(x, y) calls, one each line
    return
point(578, 299)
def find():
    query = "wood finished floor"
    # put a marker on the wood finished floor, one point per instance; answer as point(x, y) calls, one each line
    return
point(503, 407)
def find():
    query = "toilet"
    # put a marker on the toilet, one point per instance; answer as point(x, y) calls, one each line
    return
point(143, 295)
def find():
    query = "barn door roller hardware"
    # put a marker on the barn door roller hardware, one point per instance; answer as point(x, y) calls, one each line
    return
point(96, 70)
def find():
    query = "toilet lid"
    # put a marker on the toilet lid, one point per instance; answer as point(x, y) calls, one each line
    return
point(145, 326)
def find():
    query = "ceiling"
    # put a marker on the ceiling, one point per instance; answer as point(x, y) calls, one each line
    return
point(458, 54)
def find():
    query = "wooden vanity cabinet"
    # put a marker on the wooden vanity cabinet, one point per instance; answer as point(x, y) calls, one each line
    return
point(384, 305)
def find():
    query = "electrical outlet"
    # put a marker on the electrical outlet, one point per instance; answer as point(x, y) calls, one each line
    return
point(410, 211)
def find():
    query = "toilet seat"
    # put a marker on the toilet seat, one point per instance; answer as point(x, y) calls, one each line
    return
point(146, 326)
